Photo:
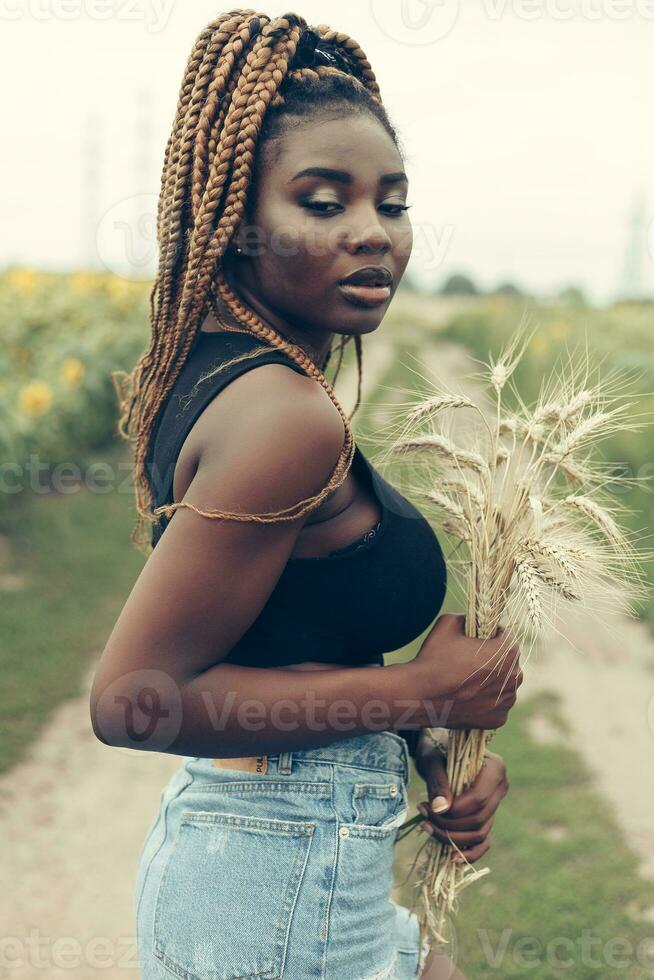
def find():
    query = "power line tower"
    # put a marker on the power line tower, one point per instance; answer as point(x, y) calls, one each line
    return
point(91, 178)
point(632, 285)
point(144, 213)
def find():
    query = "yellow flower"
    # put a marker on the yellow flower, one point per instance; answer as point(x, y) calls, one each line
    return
point(23, 280)
point(72, 371)
point(83, 282)
point(35, 398)
point(118, 288)
point(559, 329)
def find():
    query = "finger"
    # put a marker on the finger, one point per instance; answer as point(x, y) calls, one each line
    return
point(469, 839)
point(471, 822)
point(484, 787)
point(474, 853)
point(438, 787)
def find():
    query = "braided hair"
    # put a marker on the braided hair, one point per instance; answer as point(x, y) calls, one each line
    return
point(247, 76)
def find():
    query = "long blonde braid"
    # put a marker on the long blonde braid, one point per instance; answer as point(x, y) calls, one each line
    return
point(240, 79)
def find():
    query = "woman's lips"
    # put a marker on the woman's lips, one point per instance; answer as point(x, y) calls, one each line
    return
point(365, 295)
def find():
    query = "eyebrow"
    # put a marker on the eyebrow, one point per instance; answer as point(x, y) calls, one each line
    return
point(343, 177)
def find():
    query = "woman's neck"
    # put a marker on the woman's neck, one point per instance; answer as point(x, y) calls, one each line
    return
point(221, 318)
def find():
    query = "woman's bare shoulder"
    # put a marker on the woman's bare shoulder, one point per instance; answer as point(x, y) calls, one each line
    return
point(276, 425)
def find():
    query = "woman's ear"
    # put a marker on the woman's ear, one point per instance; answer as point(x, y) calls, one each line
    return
point(235, 247)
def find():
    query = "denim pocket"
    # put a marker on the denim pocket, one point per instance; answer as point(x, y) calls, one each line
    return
point(226, 898)
point(364, 916)
point(379, 807)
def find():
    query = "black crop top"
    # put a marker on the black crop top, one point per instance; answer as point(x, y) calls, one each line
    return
point(350, 606)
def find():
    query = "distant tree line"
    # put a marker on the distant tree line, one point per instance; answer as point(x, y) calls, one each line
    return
point(460, 284)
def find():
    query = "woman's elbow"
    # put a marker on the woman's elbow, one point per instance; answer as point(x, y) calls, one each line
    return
point(143, 714)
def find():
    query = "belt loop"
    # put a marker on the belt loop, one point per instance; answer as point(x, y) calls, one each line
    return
point(284, 763)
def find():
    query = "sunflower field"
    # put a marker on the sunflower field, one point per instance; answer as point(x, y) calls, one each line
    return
point(63, 335)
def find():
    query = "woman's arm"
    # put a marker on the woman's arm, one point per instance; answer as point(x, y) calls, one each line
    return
point(231, 711)
point(162, 683)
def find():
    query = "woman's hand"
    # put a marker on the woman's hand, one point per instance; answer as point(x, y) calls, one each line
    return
point(470, 682)
point(467, 819)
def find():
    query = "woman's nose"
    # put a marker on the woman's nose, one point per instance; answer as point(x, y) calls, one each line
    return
point(368, 232)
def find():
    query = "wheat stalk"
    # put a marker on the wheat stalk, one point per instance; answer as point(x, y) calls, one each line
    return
point(464, 488)
point(529, 541)
point(437, 404)
point(599, 515)
point(449, 506)
point(445, 448)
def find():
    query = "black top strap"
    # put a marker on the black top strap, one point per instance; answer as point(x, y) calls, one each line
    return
point(191, 394)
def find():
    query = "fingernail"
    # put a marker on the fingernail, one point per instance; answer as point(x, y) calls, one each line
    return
point(439, 803)
point(427, 827)
point(422, 809)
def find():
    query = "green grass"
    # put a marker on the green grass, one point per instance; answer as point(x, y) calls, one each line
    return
point(78, 565)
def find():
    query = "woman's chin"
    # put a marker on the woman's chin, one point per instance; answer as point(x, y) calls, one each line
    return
point(357, 320)
point(356, 327)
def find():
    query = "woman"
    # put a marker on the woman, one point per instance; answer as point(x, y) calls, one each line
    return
point(279, 549)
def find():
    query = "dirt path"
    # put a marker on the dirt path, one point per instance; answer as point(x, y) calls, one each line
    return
point(73, 818)
point(604, 676)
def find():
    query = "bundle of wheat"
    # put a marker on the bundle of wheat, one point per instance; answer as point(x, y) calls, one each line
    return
point(523, 494)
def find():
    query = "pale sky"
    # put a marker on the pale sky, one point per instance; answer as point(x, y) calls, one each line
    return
point(527, 125)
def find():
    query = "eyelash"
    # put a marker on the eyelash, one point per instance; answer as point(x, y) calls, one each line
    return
point(319, 205)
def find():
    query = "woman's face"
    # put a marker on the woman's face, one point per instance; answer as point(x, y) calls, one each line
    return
point(306, 233)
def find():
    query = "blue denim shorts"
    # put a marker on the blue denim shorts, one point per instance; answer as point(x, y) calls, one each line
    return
point(285, 875)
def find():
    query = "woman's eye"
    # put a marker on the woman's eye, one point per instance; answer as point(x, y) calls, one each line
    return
point(321, 207)
point(399, 208)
